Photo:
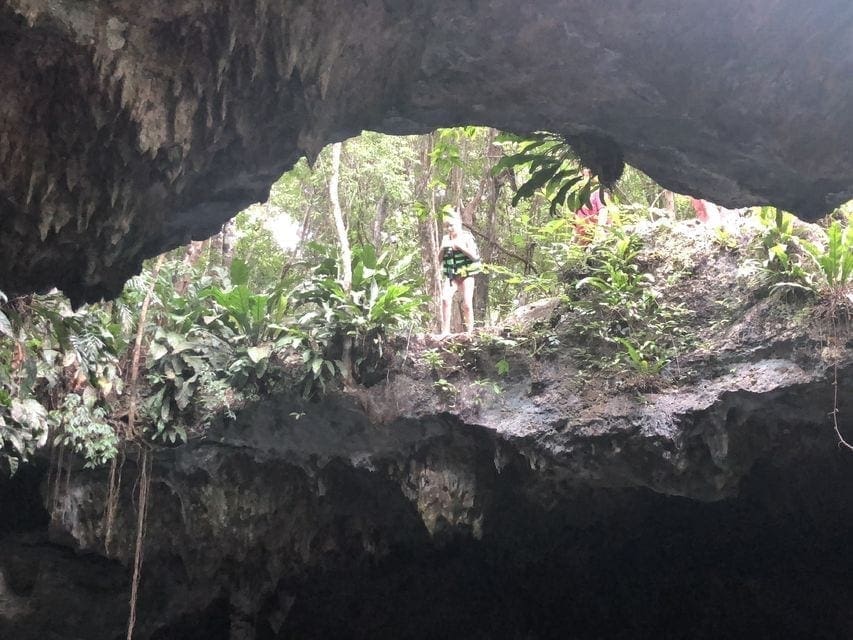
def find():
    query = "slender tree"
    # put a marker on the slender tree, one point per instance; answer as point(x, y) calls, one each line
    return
point(428, 228)
point(346, 254)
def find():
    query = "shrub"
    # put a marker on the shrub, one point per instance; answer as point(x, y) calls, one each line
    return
point(82, 427)
point(381, 297)
point(621, 307)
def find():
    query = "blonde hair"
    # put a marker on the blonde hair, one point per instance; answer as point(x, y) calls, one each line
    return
point(452, 214)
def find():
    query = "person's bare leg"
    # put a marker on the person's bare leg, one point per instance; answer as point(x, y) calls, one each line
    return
point(468, 303)
point(447, 290)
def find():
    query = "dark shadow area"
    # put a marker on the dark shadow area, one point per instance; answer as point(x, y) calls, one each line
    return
point(210, 624)
point(21, 504)
point(769, 564)
point(595, 563)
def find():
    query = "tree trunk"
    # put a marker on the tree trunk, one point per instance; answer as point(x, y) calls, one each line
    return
point(214, 250)
point(340, 226)
point(428, 232)
point(669, 201)
point(346, 255)
point(191, 257)
point(379, 222)
point(488, 186)
point(133, 374)
point(229, 242)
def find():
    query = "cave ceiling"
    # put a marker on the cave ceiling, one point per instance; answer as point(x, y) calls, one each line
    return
point(128, 128)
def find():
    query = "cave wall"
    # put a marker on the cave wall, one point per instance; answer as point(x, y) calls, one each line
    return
point(129, 128)
point(338, 526)
point(559, 503)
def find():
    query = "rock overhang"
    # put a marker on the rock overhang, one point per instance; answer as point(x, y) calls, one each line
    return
point(129, 128)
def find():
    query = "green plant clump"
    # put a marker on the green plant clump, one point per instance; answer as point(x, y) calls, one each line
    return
point(823, 268)
point(83, 427)
point(382, 297)
point(620, 306)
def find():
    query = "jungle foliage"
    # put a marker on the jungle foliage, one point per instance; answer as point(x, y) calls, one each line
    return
point(262, 306)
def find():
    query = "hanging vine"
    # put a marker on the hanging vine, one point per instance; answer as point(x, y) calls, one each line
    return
point(145, 460)
point(145, 457)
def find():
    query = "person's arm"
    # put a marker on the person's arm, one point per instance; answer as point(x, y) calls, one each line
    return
point(466, 244)
point(446, 243)
point(596, 201)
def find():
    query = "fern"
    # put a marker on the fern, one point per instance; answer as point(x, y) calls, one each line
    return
point(87, 345)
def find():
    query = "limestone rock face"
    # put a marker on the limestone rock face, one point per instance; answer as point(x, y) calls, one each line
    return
point(130, 127)
point(445, 496)
point(339, 524)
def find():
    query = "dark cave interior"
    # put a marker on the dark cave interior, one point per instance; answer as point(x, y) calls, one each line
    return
point(606, 564)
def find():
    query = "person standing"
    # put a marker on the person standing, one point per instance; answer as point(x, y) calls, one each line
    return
point(587, 217)
point(460, 261)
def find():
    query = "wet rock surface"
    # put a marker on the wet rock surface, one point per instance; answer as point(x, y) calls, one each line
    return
point(130, 128)
point(720, 508)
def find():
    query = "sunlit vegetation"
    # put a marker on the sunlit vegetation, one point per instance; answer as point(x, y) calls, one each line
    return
point(262, 307)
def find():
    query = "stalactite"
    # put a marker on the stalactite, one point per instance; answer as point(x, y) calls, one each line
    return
point(128, 99)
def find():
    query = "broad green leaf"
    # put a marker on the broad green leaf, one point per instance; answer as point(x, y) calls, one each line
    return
point(308, 317)
point(178, 342)
point(258, 313)
point(105, 385)
point(368, 256)
point(508, 162)
point(15, 440)
point(196, 362)
point(358, 275)
point(90, 397)
point(553, 226)
point(6, 325)
point(535, 182)
point(563, 193)
point(256, 354)
point(239, 272)
point(157, 350)
point(30, 413)
point(183, 396)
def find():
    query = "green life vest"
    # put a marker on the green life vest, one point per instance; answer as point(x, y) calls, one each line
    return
point(458, 264)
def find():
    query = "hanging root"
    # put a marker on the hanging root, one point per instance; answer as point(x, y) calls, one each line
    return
point(145, 460)
point(839, 313)
point(53, 471)
point(111, 507)
point(68, 475)
point(57, 480)
point(144, 477)
point(841, 439)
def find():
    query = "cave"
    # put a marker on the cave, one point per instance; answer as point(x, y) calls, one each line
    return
point(441, 528)
point(128, 130)
point(723, 510)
